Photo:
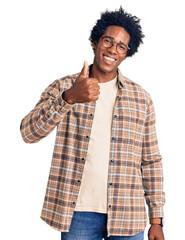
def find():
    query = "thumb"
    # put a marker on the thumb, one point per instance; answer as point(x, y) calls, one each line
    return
point(85, 69)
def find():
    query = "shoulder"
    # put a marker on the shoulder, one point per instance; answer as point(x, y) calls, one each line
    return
point(69, 79)
point(59, 85)
point(62, 83)
point(138, 90)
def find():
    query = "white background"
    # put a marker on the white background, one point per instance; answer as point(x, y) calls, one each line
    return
point(44, 40)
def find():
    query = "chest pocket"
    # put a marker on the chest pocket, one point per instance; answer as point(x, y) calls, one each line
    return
point(130, 124)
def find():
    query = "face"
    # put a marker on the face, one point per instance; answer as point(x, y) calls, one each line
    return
point(107, 60)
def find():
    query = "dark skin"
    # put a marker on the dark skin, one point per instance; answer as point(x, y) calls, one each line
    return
point(86, 89)
point(103, 70)
point(155, 232)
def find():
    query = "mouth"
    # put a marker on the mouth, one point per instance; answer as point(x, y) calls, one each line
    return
point(108, 59)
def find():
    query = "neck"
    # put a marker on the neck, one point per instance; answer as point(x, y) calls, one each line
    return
point(100, 75)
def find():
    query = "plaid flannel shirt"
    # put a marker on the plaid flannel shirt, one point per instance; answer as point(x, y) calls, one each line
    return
point(135, 166)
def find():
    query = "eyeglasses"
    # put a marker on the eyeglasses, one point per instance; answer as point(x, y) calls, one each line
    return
point(108, 42)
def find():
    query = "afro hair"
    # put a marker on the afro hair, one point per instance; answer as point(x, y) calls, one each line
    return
point(122, 19)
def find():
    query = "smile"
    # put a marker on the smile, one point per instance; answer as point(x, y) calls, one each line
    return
point(109, 60)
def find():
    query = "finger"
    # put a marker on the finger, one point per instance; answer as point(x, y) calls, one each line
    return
point(85, 69)
point(93, 80)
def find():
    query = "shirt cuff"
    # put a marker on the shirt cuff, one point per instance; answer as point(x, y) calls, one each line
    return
point(156, 212)
point(61, 106)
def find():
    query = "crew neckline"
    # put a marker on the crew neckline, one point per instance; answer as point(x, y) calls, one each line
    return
point(110, 81)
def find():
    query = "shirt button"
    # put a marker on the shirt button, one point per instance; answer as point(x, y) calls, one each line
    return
point(91, 115)
point(78, 180)
point(115, 116)
point(110, 183)
point(73, 202)
point(109, 206)
point(48, 115)
point(87, 136)
point(112, 160)
point(83, 159)
point(113, 138)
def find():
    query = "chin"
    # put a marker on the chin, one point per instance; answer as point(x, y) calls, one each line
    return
point(107, 69)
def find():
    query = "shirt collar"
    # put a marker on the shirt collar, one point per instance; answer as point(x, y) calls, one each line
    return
point(120, 79)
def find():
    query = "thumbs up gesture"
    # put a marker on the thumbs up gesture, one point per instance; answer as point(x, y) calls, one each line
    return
point(84, 89)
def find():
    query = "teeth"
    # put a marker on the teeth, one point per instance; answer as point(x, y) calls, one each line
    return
point(110, 59)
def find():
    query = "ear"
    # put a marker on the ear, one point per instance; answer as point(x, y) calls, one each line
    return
point(94, 45)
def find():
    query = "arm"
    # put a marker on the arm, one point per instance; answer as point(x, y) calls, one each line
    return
point(46, 115)
point(151, 167)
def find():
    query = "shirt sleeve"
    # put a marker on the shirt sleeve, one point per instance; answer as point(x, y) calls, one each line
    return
point(151, 167)
point(47, 113)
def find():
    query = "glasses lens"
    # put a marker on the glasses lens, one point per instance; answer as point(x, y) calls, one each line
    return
point(121, 48)
point(107, 42)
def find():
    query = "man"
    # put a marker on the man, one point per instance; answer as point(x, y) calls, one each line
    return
point(106, 159)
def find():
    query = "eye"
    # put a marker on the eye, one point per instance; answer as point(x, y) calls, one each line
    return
point(122, 47)
point(107, 40)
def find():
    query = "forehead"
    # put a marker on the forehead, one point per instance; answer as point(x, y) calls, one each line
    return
point(118, 33)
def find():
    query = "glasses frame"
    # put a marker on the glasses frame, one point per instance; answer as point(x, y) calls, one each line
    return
point(113, 42)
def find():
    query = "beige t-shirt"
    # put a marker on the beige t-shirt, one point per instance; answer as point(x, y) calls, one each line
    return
point(93, 190)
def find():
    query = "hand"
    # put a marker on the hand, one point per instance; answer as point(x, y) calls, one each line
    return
point(84, 89)
point(155, 232)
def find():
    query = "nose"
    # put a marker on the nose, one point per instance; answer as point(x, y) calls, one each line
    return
point(113, 49)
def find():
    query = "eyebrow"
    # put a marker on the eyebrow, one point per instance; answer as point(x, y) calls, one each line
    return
point(113, 39)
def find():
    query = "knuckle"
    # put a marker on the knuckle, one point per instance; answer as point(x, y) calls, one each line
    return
point(96, 97)
point(88, 80)
point(88, 91)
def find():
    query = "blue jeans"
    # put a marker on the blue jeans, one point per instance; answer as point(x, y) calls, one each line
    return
point(92, 226)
